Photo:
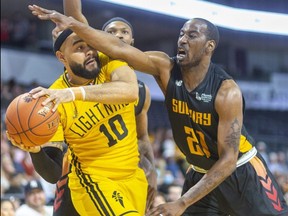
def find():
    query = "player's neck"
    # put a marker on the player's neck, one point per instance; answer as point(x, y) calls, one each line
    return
point(78, 81)
point(193, 77)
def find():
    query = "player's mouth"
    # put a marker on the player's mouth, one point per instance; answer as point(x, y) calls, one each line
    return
point(90, 61)
point(181, 54)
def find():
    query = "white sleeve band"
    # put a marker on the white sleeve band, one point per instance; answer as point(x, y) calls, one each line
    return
point(83, 93)
point(73, 94)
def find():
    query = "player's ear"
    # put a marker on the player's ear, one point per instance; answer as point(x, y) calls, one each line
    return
point(210, 46)
point(60, 56)
point(132, 42)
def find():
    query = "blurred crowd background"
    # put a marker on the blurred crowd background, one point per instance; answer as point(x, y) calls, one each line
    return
point(25, 35)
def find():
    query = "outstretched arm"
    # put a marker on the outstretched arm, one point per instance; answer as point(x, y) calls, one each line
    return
point(108, 44)
point(74, 8)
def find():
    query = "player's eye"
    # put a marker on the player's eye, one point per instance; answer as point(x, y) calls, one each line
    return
point(80, 48)
point(111, 32)
point(192, 36)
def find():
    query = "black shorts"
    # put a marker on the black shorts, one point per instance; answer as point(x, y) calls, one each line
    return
point(63, 205)
point(250, 191)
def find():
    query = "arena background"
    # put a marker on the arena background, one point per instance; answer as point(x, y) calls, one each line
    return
point(257, 61)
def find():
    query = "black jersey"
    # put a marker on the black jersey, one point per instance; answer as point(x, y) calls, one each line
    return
point(195, 120)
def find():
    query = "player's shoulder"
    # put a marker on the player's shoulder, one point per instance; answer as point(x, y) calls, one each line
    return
point(229, 91)
point(108, 65)
point(59, 83)
point(104, 59)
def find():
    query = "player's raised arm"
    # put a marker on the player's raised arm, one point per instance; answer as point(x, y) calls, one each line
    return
point(74, 8)
point(106, 43)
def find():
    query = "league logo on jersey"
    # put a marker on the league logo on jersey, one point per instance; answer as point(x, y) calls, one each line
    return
point(204, 97)
point(178, 82)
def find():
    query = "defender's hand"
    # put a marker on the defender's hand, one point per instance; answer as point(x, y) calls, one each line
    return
point(62, 22)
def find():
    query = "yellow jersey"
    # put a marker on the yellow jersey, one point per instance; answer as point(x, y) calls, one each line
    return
point(102, 138)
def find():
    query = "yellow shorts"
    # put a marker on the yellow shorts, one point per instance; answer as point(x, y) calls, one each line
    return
point(98, 195)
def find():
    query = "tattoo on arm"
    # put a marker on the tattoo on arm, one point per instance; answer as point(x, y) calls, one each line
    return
point(233, 138)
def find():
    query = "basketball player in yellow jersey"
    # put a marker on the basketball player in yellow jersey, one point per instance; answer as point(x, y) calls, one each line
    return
point(123, 29)
point(105, 178)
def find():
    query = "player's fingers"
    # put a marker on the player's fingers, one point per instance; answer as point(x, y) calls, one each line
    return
point(8, 135)
point(11, 140)
point(35, 11)
point(56, 104)
point(50, 98)
point(40, 93)
point(30, 7)
point(31, 149)
point(42, 13)
point(35, 90)
point(39, 9)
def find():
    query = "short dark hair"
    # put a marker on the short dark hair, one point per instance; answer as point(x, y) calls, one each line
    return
point(117, 19)
point(212, 32)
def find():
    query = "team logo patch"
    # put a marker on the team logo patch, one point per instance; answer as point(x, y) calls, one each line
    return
point(118, 198)
point(178, 82)
point(203, 97)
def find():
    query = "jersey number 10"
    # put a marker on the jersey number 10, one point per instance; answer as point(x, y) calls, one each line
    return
point(116, 128)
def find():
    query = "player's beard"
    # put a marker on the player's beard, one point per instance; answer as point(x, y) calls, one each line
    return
point(194, 62)
point(81, 71)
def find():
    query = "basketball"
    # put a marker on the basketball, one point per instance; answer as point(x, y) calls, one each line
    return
point(30, 123)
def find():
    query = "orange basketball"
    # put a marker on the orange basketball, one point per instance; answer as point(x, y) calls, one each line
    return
point(30, 123)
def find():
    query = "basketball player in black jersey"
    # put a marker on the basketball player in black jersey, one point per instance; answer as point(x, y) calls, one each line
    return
point(227, 176)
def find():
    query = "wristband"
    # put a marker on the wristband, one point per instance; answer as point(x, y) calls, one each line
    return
point(73, 94)
point(83, 93)
point(79, 93)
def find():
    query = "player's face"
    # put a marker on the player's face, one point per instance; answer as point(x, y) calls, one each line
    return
point(121, 30)
point(81, 58)
point(192, 43)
